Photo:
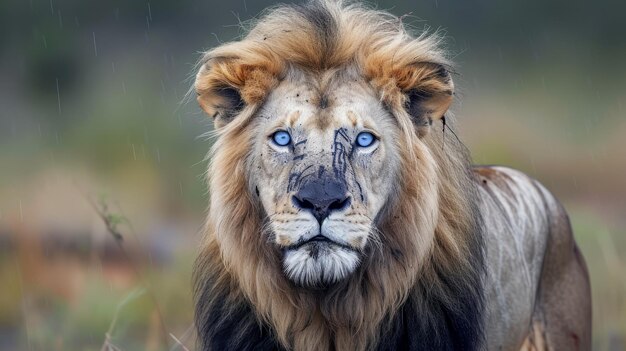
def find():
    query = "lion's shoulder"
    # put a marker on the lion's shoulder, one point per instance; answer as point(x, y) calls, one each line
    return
point(511, 185)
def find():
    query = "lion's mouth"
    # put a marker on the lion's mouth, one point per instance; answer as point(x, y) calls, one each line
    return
point(319, 238)
point(318, 241)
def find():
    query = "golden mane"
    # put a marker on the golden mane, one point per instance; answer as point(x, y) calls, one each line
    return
point(241, 294)
point(322, 36)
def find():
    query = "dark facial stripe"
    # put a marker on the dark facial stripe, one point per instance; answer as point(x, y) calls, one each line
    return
point(297, 178)
point(340, 155)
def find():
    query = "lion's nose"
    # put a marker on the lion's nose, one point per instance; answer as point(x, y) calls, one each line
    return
point(321, 197)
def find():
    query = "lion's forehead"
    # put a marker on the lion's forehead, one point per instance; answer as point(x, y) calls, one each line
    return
point(306, 107)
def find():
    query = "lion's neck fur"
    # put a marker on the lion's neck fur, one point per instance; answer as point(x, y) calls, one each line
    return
point(425, 277)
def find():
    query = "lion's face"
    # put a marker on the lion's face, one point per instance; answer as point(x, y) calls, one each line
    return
point(323, 165)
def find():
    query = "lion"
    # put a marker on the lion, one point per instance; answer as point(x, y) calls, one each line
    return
point(345, 215)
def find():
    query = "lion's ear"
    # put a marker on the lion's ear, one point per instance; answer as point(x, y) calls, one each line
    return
point(429, 92)
point(226, 86)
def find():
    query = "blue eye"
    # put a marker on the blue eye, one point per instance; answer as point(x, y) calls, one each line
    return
point(365, 139)
point(281, 138)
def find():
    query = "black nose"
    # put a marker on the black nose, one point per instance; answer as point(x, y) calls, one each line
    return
point(321, 197)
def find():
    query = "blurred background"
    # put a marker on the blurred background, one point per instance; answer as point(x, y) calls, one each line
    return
point(101, 159)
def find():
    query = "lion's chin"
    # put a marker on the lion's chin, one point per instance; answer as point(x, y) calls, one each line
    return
point(319, 264)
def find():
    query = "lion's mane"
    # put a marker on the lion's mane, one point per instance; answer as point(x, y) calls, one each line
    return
point(418, 289)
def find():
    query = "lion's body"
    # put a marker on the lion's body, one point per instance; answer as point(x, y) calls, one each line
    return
point(535, 277)
point(326, 242)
